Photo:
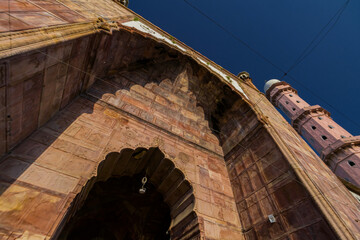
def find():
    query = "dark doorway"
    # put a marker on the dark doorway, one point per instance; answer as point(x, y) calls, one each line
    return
point(115, 210)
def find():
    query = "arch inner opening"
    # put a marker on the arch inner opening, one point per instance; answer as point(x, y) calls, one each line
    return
point(115, 210)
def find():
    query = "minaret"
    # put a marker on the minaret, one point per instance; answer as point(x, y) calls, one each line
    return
point(336, 146)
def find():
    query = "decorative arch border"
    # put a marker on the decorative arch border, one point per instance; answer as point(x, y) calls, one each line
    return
point(161, 172)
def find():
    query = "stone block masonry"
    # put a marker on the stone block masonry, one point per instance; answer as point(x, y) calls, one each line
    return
point(98, 100)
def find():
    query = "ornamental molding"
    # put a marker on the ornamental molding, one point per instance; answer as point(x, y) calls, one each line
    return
point(172, 42)
point(107, 26)
point(339, 145)
point(282, 87)
point(302, 114)
point(14, 43)
point(244, 75)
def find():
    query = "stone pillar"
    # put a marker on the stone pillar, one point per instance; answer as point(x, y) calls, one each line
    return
point(337, 147)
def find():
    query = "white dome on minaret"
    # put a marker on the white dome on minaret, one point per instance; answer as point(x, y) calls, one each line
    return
point(269, 83)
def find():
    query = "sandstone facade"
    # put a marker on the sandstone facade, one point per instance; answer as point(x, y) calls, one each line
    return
point(87, 100)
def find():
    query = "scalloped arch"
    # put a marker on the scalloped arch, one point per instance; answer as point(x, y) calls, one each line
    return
point(161, 172)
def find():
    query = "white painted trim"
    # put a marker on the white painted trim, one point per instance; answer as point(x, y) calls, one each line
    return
point(144, 28)
point(227, 78)
point(355, 195)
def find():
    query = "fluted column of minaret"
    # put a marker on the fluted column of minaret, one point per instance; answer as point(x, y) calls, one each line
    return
point(337, 147)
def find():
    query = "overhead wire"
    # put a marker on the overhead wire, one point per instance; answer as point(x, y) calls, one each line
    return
point(306, 52)
point(341, 10)
point(322, 99)
point(234, 36)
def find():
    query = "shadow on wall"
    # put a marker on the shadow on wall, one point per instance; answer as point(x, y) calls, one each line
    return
point(153, 83)
point(142, 80)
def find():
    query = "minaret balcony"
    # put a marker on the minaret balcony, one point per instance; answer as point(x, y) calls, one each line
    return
point(302, 114)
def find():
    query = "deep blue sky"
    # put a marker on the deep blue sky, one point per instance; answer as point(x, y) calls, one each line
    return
point(279, 30)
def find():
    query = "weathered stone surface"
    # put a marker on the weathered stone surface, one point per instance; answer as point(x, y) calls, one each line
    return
point(79, 111)
point(22, 14)
point(74, 142)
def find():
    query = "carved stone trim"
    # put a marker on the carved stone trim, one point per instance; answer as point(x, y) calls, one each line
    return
point(106, 26)
point(300, 115)
point(285, 87)
point(13, 43)
point(338, 145)
point(243, 75)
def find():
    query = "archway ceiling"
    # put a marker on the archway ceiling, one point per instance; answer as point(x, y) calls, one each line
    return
point(128, 53)
point(71, 67)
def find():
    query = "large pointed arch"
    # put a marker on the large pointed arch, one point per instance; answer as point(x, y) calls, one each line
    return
point(161, 172)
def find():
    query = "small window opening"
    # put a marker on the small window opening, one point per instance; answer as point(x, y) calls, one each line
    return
point(324, 137)
point(351, 163)
point(293, 109)
point(287, 102)
point(342, 136)
point(297, 101)
point(313, 127)
point(290, 95)
point(331, 127)
point(320, 118)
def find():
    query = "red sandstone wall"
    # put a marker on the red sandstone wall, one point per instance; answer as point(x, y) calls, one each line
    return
point(264, 184)
point(310, 166)
point(18, 15)
point(46, 170)
point(39, 84)
point(130, 116)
